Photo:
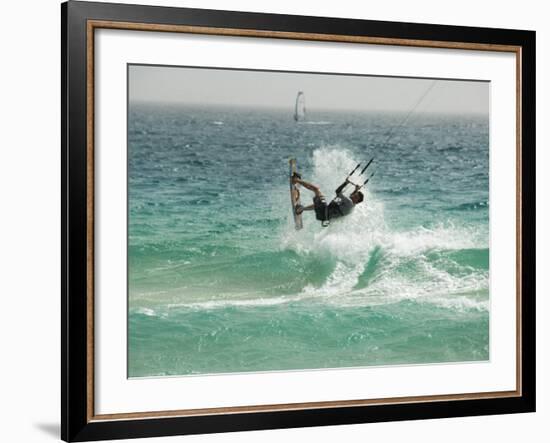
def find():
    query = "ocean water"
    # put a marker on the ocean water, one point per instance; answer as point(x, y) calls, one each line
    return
point(220, 281)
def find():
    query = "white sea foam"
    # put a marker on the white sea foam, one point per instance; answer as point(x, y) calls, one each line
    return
point(320, 122)
point(146, 311)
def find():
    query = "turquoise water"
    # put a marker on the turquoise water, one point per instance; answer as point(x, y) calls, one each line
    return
point(220, 281)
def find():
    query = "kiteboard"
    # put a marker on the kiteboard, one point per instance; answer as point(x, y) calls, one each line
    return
point(294, 195)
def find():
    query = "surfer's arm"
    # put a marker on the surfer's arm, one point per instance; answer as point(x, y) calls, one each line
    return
point(309, 186)
point(309, 208)
point(340, 188)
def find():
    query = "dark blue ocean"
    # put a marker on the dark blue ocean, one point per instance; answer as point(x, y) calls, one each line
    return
point(220, 281)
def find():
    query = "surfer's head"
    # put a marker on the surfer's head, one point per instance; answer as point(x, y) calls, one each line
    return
point(356, 197)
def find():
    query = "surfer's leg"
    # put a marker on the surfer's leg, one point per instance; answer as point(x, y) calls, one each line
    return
point(300, 208)
point(320, 206)
point(309, 186)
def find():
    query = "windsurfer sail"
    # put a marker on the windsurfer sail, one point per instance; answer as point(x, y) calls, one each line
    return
point(300, 107)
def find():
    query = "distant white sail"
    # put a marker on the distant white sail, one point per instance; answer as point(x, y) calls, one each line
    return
point(300, 107)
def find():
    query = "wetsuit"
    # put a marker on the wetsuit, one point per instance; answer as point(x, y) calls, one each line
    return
point(339, 207)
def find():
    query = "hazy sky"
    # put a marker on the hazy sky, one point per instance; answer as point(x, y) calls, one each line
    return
point(323, 92)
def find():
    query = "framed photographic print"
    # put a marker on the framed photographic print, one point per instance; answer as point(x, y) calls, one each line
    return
point(275, 221)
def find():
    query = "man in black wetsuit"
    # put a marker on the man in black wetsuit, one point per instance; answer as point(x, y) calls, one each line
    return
point(340, 206)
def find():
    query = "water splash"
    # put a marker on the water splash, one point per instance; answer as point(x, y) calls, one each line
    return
point(364, 235)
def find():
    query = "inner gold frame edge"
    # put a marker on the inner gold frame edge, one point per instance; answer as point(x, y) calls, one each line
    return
point(91, 25)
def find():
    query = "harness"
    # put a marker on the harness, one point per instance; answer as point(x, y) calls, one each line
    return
point(340, 190)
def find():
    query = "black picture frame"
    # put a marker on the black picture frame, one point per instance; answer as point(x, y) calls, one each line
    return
point(76, 422)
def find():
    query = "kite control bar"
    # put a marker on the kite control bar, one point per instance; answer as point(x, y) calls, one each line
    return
point(360, 173)
point(364, 183)
point(365, 168)
point(354, 169)
point(358, 166)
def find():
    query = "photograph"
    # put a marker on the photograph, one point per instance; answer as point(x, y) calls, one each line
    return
point(284, 221)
